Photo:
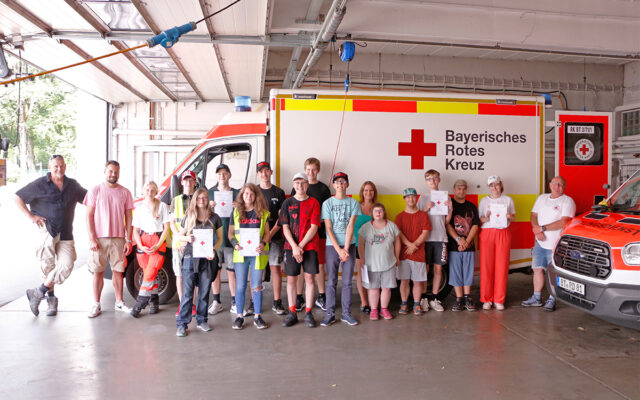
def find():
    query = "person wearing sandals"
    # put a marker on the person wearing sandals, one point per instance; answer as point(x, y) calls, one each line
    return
point(251, 213)
point(462, 230)
point(414, 227)
point(495, 244)
point(150, 229)
point(380, 251)
point(368, 197)
point(196, 271)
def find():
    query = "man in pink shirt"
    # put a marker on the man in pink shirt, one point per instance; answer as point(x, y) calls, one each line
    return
point(109, 207)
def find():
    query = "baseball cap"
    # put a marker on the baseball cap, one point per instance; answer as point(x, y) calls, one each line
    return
point(188, 174)
point(340, 175)
point(223, 166)
point(300, 175)
point(261, 165)
point(494, 179)
point(460, 182)
point(409, 192)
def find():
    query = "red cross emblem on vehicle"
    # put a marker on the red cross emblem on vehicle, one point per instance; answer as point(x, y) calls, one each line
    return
point(584, 149)
point(417, 149)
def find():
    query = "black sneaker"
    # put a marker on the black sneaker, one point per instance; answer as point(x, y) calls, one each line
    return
point(321, 302)
point(259, 323)
point(250, 310)
point(457, 306)
point(468, 304)
point(277, 308)
point(300, 303)
point(154, 304)
point(238, 323)
point(366, 309)
point(290, 320)
point(309, 320)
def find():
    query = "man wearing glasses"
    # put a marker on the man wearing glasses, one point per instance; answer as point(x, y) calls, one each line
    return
point(52, 202)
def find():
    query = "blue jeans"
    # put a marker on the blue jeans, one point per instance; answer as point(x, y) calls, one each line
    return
point(333, 263)
point(191, 280)
point(541, 257)
point(242, 271)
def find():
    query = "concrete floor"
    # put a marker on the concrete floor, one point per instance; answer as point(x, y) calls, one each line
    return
point(515, 354)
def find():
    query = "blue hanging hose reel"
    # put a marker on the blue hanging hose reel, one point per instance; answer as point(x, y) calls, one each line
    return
point(171, 36)
point(347, 51)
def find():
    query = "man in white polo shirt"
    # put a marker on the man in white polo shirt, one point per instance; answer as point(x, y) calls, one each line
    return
point(550, 213)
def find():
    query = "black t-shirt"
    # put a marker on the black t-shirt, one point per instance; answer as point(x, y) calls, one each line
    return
point(320, 192)
point(250, 220)
point(463, 217)
point(213, 222)
point(56, 206)
point(275, 197)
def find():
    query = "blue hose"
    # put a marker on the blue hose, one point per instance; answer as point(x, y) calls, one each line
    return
point(171, 36)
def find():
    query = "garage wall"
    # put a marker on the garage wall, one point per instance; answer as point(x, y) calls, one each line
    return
point(632, 83)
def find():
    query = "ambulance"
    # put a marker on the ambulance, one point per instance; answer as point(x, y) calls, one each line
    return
point(596, 262)
point(390, 138)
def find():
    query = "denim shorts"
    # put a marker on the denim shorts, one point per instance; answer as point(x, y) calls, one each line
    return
point(541, 257)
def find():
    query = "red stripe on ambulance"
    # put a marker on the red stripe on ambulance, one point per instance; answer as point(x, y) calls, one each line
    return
point(523, 110)
point(385, 106)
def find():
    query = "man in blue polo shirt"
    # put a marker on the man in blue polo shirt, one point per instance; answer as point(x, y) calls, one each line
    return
point(52, 203)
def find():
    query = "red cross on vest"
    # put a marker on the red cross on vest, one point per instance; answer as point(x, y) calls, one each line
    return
point(417, 149)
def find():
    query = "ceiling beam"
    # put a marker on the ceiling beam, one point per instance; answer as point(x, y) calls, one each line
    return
point(28, 15)
point(13, 5)
point(176, 60)
point(313, 12)
point(205, 11)
point(103, 29)
point(76, 49)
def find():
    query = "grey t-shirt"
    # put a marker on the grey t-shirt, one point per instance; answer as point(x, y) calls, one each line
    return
point(379, 251)
point(340, 212)
point(439, 230)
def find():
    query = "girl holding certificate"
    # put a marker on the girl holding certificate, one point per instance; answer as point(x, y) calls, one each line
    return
point(249, 235)
point(201, 236)
point(150, 229)
point(496, 211)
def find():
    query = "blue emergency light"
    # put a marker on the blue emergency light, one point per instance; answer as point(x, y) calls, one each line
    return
point(243, 103)
point(170, 37)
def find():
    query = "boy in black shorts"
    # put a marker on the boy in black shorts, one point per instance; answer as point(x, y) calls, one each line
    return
point(299, 219)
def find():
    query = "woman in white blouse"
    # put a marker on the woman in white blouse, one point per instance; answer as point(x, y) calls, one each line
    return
point(497, 211)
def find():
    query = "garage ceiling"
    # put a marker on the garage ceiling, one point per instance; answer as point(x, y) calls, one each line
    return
point(229, 54)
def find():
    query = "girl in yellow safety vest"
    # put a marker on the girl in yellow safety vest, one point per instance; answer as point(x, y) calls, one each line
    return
point(249, 235)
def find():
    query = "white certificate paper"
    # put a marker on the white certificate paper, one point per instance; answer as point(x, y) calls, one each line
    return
point(439, 199)
point(249, 240)
point(203, 243)
point(498, 215)
point(365, 274)
point(224, 206)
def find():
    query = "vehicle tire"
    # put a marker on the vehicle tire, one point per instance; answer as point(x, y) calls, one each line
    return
point(166, 279)
point(445, 288)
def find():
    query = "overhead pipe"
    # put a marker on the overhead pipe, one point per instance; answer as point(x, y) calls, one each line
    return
point(328, 29)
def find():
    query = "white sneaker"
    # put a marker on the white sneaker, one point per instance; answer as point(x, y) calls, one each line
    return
point(215, 307)
point(436, 305)
point(232, 310)
point(95, 311)
point(424, 304)
point(122, 307)
point(499, 306)
point(486, 306)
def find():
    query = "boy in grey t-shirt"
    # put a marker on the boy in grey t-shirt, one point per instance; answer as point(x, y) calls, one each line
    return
point(436, 245)
point(339, 214)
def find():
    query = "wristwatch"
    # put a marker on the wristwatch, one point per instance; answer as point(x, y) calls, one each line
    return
point(458, 239)
point(544, 228)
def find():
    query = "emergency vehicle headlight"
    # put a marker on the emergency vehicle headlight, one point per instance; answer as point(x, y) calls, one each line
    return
point(631, 254)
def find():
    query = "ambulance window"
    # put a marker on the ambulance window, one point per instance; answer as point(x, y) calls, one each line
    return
point(583, 143)
point(236, 157)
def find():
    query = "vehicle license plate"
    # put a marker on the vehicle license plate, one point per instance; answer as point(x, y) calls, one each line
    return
point(571, 286)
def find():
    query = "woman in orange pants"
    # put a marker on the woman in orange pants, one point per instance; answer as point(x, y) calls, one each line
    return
point(496, 211)
point(150, 228)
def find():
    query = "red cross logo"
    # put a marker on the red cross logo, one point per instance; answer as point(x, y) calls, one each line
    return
point(497, 215)
point(248, 241)
point(417, 149)
point(438, 202)
point(584, 149)
point(202, 243)
point(223, 203)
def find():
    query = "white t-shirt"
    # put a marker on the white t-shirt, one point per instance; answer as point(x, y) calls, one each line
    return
point(438, 228)
point(143, 218)
point(551, 210)
point(379, 250)
point(486, 202)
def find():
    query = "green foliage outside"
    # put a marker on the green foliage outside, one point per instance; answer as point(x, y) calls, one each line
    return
point(47, 122)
